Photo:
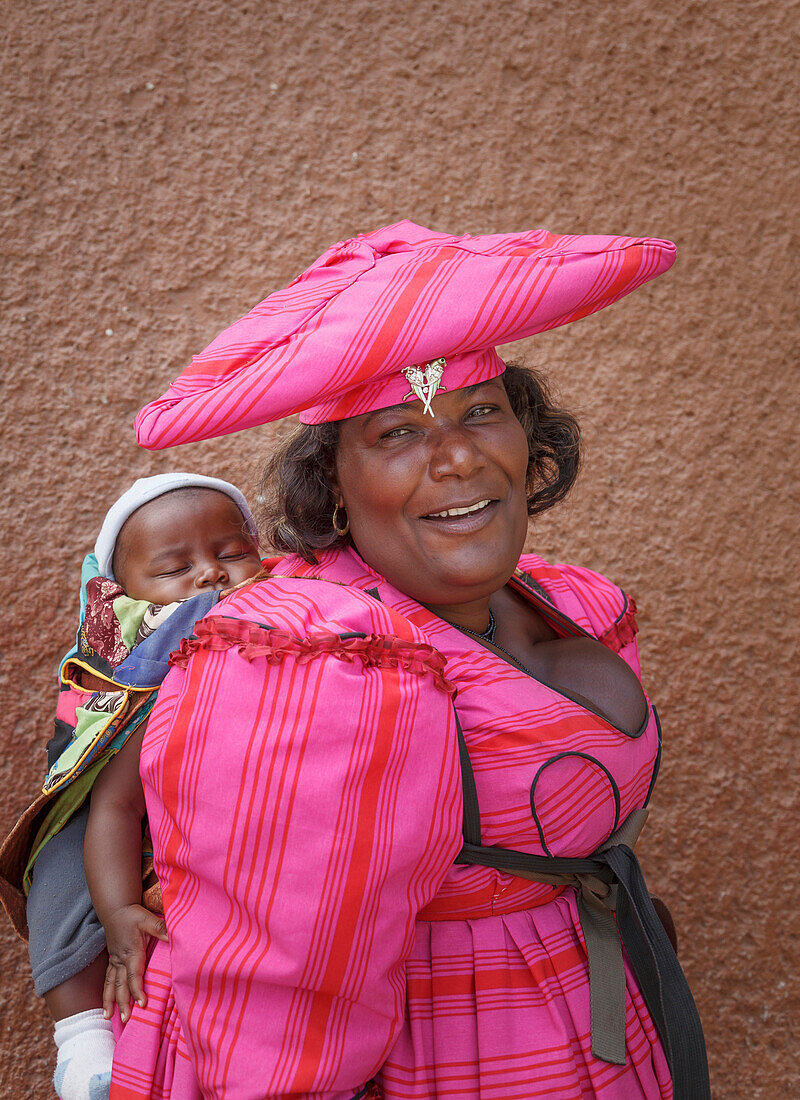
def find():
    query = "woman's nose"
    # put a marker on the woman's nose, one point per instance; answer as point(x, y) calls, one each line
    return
point(455, 454)
point(209, 574)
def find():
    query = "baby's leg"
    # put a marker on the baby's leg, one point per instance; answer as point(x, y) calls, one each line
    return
point(65, 934)
point(67, 951)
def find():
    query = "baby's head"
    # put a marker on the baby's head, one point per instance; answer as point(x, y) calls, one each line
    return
point(173, 536)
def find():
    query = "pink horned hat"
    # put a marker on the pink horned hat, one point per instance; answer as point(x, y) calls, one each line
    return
point(390, 316)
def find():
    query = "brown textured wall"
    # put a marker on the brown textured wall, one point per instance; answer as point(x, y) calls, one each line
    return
point(166, 165)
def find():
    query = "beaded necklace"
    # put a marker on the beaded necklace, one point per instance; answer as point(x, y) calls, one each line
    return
point(488, 635)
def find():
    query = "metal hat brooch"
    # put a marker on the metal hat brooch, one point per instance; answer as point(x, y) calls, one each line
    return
point(425, 382)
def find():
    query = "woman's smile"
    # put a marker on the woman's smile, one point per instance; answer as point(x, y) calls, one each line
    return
point(463, 518)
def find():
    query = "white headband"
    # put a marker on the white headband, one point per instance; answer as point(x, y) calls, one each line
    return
point(148, 488)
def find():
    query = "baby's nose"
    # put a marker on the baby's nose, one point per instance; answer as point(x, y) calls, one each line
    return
point(210, 574)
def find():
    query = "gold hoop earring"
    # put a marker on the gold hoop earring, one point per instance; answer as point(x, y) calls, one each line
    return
point(340, 531)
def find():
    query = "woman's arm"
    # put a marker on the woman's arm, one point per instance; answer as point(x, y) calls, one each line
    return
point(113, 863)
point(304, 805)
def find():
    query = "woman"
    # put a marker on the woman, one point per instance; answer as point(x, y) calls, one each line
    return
point(304, 766)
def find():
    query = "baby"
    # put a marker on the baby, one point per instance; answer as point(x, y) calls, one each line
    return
point(169, 538)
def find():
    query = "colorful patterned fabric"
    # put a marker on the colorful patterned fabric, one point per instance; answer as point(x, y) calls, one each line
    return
point(92, 726)
point(305, 803)
point(113, 625)
point(101, 632)
point(333, 344)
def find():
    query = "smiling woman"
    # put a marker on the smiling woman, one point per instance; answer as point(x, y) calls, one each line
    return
point(296, 483)
point(394, 785)
point(439, 504)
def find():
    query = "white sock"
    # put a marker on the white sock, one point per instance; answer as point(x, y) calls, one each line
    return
point(85, 1044)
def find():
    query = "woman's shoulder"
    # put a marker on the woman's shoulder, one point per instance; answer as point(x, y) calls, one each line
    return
point(299, 604)
point(329, 597)
point(590, 599)
point(306, 617)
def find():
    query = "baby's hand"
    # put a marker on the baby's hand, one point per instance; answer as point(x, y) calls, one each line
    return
point(127, 933)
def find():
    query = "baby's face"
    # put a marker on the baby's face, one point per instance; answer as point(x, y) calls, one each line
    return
point(183, 543)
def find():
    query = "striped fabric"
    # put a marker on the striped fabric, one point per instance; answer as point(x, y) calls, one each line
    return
point(333, 343)
point(306, 811)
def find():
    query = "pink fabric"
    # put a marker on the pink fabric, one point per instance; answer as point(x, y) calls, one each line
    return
point(68, 701)
point(333, 343)
point(296, 837)
point(305, 818)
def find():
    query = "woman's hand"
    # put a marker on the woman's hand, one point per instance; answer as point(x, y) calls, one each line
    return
point(128, 930)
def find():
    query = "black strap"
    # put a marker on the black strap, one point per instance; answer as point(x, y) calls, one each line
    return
point(471, 821)
point(511, 861)
point(661, 979)
point(655, 964)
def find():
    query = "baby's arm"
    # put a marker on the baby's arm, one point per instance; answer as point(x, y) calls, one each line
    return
point(113, 860)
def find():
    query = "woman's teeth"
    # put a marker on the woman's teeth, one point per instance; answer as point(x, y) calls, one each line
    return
point(461, 511)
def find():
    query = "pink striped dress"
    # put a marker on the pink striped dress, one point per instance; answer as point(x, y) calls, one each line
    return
point(304, 792)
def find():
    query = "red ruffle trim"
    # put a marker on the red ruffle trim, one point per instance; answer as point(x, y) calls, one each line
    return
point(373, 650)
point(624, 630)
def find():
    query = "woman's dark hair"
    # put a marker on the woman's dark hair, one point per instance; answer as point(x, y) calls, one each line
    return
point(297, 498)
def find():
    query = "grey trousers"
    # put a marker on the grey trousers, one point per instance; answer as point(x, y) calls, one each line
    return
point(64, 932)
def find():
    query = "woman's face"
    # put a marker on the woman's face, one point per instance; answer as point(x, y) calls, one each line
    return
point(437, 505)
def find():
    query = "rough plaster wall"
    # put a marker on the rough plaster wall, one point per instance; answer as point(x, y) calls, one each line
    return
point(166, 165)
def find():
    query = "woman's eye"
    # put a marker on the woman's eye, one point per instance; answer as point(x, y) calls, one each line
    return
point(396, 433)
point(481, 410)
